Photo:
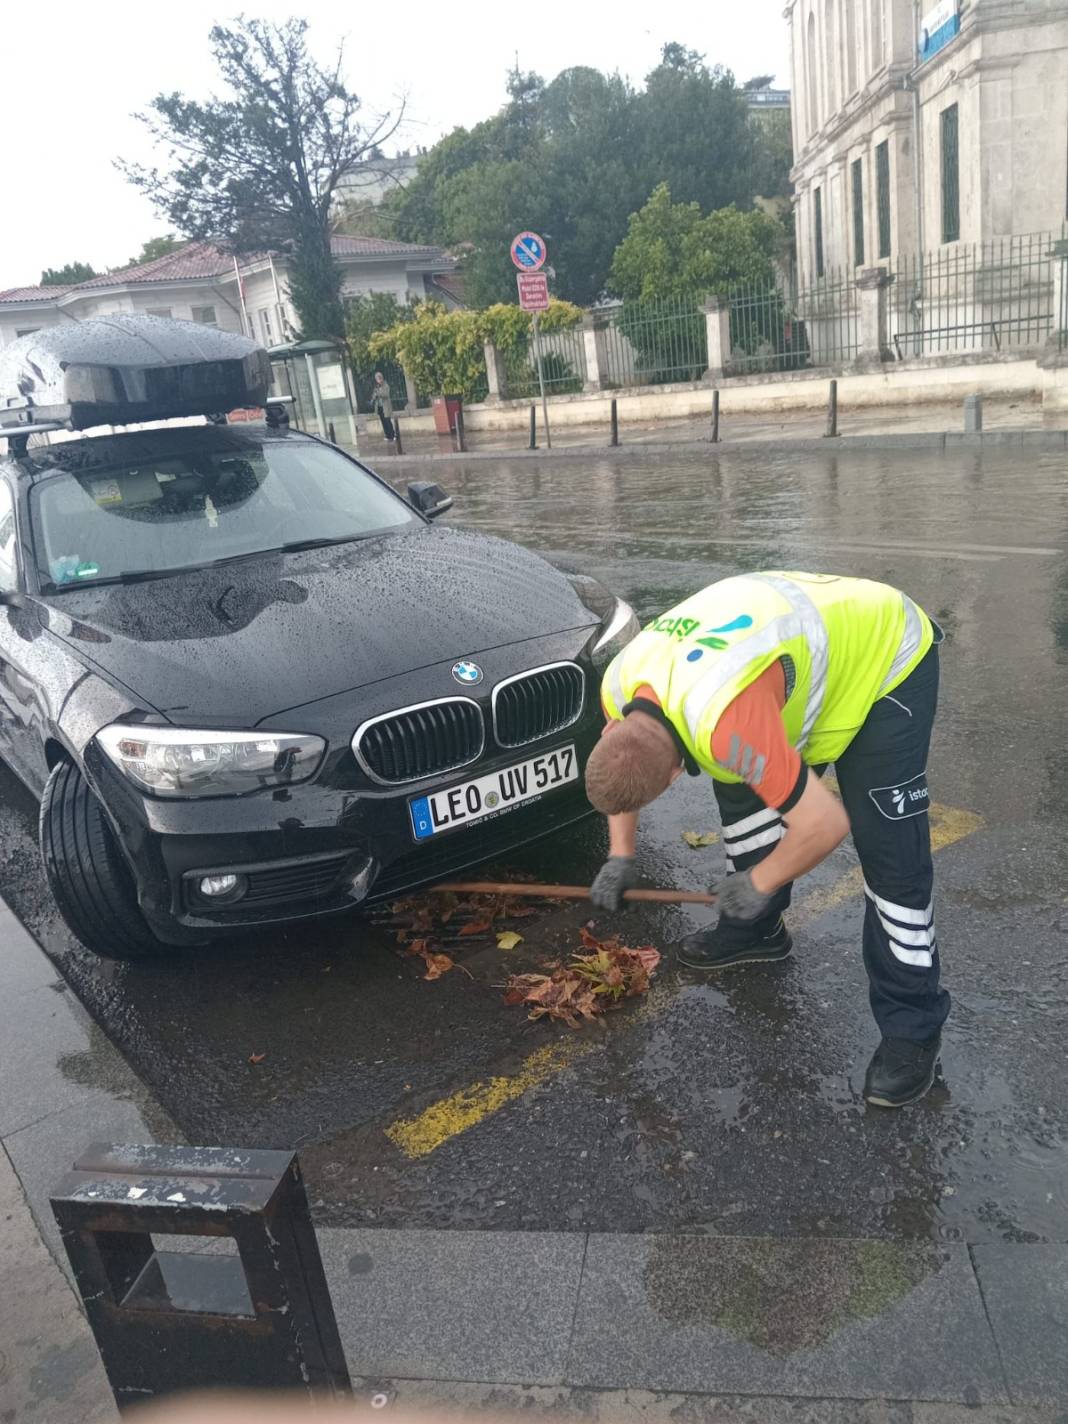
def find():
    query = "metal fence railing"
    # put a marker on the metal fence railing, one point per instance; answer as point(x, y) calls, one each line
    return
point(990, 295)
point(785, 329)
point(563, 364)
point(653, 343)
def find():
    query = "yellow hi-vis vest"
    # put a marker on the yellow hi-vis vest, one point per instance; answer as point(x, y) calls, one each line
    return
point(851, 642)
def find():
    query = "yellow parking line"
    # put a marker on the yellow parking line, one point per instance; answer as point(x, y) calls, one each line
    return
point(419, 1136)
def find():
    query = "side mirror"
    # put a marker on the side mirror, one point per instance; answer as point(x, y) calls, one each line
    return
point(429, 499)
point(12, 598)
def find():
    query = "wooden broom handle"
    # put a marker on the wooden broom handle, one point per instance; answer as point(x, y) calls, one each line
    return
point(567, 892)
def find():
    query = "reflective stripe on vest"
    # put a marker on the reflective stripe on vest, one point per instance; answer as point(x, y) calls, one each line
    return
point(805, 621)
point(815, 631)
point(911, 640)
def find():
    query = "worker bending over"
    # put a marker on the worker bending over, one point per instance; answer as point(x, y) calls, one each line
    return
point(760, 680)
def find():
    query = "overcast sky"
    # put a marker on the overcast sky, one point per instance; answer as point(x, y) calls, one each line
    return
point(76, 73)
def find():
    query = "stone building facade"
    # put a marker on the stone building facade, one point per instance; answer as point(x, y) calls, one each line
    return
point(919, 126)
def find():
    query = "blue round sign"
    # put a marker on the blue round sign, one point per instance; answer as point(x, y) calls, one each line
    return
point(528, 251)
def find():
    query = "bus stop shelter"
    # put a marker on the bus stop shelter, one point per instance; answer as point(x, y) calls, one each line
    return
point(316, 376)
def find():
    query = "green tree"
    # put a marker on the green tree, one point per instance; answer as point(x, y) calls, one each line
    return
point(157, 247)
point(773, 153)
point(672, 257)
point(442, 351)
point(672, 250)
point(68, 276)
point(694, 132)
point(259, 166)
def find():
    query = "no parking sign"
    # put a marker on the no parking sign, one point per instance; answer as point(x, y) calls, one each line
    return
point(528, 251)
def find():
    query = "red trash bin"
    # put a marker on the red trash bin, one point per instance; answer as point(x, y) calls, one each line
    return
point(446, 409)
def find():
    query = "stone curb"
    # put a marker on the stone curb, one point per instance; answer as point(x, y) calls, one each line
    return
point(919, 440)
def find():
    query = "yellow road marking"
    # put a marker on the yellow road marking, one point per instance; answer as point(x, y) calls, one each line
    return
point(419, 1136)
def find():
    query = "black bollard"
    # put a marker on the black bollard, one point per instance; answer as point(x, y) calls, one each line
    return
point(257, 1317)
point(533, 428)
point(832, 410)
point(615, 423)
point(715, 417)
point(398, 448)
point(330, 432)
point(461, 440)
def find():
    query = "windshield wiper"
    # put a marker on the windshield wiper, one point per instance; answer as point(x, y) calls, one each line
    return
point(298, 544)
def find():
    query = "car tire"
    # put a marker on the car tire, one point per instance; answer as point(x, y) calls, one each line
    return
point(87, 875)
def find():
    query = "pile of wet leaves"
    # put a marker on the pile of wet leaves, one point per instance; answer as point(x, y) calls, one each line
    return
point(587, 985)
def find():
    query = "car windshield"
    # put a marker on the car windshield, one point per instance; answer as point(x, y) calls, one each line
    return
point(183, 509)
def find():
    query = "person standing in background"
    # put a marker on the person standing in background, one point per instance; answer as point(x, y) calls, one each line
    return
point(380, 399)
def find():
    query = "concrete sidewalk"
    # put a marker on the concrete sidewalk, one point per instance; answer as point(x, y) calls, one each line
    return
point(929, 420)
point(650, 1327)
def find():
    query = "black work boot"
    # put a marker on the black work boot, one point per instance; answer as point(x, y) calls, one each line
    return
point(901, 1071)
point(711, 949)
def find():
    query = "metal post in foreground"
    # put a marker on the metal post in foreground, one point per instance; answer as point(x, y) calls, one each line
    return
point(533, 428)
point(398, 448)
point(973, 415)
point(461, 440)
point(832, 410)
point(256, 1317)
point(541, 383)
point(715, 417)
point(331, 434)
point(615, 423)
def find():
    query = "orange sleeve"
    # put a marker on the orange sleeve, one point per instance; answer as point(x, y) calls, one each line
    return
point(750, 739)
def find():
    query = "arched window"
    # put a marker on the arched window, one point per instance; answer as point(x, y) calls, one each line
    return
point(830, 58)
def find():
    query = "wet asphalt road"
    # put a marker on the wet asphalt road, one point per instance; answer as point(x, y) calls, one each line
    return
point(731, 1105)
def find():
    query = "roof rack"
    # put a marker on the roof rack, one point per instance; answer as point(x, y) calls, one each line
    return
point(18, 436)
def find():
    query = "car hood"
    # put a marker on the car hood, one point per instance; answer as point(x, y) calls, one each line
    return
point(230, 645)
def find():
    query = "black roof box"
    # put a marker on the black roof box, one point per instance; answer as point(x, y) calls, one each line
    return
point(119, 370)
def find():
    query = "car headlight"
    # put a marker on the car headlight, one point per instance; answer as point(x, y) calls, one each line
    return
point(617, 630)
point(173, 761)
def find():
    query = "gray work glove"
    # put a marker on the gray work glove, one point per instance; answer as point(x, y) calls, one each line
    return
point(617, 874)
point(738, 898)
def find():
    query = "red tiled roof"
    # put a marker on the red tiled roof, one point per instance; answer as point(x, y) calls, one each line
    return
point(342, 246)
point(34, 294)
point(199, 260)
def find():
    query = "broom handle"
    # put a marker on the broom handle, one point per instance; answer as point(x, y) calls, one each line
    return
point(568, 892)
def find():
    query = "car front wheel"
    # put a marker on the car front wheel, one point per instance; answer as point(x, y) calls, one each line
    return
point(89, 879)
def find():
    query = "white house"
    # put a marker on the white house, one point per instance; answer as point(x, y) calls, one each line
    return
point(200, 283)
point(918, 126)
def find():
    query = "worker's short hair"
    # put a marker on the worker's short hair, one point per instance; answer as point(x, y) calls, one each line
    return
point(630, 766)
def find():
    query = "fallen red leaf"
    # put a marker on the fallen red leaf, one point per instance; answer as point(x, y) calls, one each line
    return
point(474, 927)
point(437, 965)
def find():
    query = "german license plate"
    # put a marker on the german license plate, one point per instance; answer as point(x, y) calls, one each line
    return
point(492, 794)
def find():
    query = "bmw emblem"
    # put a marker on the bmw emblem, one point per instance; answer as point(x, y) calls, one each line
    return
point(467, 673)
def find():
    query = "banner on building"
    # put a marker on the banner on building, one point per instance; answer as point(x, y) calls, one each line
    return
point(938, 26)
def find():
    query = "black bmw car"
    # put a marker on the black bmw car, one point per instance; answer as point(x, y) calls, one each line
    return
point(248, 681)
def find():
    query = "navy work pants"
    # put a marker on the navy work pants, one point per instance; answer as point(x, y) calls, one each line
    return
point(882, 776)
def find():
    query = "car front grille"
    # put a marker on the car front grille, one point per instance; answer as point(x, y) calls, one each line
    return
point(421, 741)
point(536, 704)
